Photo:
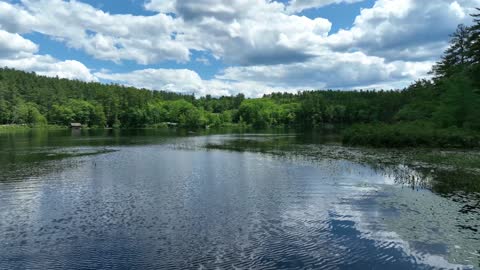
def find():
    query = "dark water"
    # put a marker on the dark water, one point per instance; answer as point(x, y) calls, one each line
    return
point(163, 200)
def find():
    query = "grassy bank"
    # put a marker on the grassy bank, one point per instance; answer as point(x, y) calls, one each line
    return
point(457, 159)
point(11, 128)
point(410, 135)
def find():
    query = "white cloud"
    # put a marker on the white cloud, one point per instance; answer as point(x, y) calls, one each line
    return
point(176, 80)
point(332, 71)
point(246, 32)
point(241, 31)
point(162, 6)
point(301, 5)
point(188, 81)
point(268, 46)
point(404, 30)
point(20, 53)
point(14, 45)
point(182, 81)
point(49, 66)
point(14, 19)
point(144, 39)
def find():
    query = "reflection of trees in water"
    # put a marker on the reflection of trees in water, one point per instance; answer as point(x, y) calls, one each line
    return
point(445, 181)
point(448, 183)
point(407, 176)
point(24, 165)
point(441, 181)
point(458, 186)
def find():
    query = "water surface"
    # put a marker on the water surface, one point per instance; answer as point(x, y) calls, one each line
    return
point(153, 199)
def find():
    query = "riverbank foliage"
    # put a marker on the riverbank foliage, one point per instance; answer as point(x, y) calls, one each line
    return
point(443, 111)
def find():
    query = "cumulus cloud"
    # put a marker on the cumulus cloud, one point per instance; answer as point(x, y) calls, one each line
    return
point(188, 82)
point(181, 81)
point(268, 45)
point(240, 32)
point(346, 71)
point(144, 39)
point(279, 39)
point(404, 30)
point(49, 66)
point(14, 19)
point(20, 53)
point(333, 71)
point(246, 32)
point(177, 80)
point(14, 45)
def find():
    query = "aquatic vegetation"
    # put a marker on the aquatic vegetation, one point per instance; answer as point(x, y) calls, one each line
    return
point(410, 135)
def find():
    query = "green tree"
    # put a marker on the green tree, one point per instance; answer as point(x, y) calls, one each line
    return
point(5, 112)
point(474, 40)
point(459, 104)
point(27, 113)
point(61, 115)
point(258, 112)
point(455, 57)
point(185, 114)
point(312, 109)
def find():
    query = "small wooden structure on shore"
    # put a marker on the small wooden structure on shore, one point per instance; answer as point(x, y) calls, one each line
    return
point(75, 125)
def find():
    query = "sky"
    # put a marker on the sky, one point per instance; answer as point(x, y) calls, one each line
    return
point(226, 47)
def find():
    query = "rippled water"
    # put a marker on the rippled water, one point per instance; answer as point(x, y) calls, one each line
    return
point(156, 200)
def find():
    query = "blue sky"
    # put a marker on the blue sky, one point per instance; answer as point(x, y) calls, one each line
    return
point(224, 47)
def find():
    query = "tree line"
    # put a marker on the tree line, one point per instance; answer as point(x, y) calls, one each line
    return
point(26, 98)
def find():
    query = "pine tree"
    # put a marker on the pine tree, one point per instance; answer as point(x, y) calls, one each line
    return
point(473, 50)
point(456, 56)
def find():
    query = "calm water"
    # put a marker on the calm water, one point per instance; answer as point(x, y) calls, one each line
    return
point(163, 200)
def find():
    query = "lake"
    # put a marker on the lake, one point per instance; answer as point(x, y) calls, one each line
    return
point(159, 199)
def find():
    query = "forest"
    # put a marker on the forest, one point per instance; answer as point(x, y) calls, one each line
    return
point(441, 111)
